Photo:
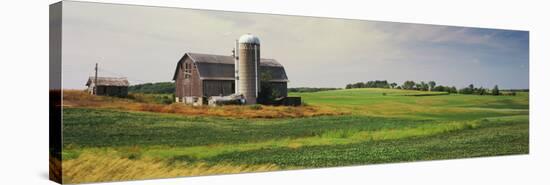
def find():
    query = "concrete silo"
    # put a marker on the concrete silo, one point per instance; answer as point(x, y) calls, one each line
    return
point(248, 82)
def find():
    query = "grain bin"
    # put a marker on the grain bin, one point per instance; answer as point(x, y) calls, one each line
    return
point(248, 64)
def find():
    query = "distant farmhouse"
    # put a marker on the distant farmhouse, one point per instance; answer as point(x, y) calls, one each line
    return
point(200, 76)
point(108, 86)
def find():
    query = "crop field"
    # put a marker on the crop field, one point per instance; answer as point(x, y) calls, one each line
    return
point(107, 139)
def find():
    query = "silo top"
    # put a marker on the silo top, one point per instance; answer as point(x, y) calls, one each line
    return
point(249, 39)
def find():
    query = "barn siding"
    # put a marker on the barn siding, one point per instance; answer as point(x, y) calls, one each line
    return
point(190, 87)
point(179, 82)
point(196, 82)
point(112, 91)
point(218, 87)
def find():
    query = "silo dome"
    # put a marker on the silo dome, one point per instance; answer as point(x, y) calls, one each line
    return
point(249, 39)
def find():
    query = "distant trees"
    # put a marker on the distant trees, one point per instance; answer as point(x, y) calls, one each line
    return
point(357, 85)
point(370, 84)
point(430, 86)
point(424, 86)
point(377, 84)
point(393, 85)
point(441, 88)
point(349, 86)
point(418, 86)
point(408, 85)
point(467, 90)
point(153, 88)
point(312, 89)
point(495, 91)
point(471, 89)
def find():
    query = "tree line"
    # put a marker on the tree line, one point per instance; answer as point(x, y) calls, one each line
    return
point(153, 88)
point(310, 89)
point(429, 86)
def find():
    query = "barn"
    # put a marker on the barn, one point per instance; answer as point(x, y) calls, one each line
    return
point(200, 76)
point(108, 86)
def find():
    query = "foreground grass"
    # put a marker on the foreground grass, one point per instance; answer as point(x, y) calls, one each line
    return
point(491, 137)
point(506, 139)
point(103, 141)
point(99, 128)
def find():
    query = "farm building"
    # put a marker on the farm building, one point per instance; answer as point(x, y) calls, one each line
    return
point(200, 76)
point(108, 86)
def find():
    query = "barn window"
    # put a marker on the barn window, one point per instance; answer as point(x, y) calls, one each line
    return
point(187, 70)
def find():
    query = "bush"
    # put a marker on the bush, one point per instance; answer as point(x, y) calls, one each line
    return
point(151, 98)
point(167, 100)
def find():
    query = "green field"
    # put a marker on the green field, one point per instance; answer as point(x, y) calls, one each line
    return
point(376, 126)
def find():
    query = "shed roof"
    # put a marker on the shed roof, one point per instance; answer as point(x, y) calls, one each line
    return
point(109, 81)
point(222, 67)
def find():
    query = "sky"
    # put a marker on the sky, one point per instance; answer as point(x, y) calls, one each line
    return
point(144, 44)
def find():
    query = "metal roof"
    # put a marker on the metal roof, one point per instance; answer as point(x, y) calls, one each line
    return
point(249, 39)
point(109, 81)
point(222, 67)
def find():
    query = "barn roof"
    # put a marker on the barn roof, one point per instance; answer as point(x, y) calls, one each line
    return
point(222, 67)
point(109, 81)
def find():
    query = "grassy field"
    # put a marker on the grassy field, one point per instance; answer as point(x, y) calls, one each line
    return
point(108, 139)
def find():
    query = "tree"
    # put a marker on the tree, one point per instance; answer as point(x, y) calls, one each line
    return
point(432, 84)
point(438, 88)
point(153, 88)
point(359, 85)
point(495, 91)
point(393, 85)
point(418, 86)
point(408, 84)
point(453, 90)
point(468, 90)
point(424, 86)
point(481, 91)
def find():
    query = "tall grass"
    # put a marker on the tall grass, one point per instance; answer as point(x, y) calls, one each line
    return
point(93, 167)
point(74, 98)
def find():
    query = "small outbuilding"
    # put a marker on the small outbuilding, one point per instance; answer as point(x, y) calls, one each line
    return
point(108, 86)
